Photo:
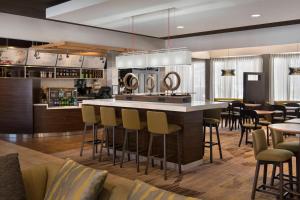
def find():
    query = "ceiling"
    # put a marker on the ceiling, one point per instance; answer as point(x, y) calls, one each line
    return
point(150, 17)
point(29, 8)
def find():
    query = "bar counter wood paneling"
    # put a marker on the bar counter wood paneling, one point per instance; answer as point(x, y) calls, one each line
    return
point(16, 104)
point(56, 120)
point(188, 116)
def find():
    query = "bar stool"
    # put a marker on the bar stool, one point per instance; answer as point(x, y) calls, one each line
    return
point(109, 121)
point(158, 126)
point(90, 119)
point(212, 119)
point(279, 143)
point(131, 123)
point(265, 156)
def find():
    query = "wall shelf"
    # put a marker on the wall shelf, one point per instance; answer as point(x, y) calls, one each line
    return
point(49, 73)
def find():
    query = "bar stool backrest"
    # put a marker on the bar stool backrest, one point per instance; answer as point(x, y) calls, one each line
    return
point(249, 116)
point(131, 119)
point(88, 114)
point(212, 113)
point(292, 104)
point(157, 122)
point(259, 141)
point(108, 116)
point(280, 108)
point(277, 137)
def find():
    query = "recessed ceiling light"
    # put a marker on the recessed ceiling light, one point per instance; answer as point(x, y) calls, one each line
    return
point(180, 27)
point(255, 15)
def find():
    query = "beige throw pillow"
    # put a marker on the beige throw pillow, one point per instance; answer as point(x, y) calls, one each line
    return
point(76, 182)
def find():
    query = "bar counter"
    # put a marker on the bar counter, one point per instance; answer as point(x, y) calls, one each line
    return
point(57, 119)
point(188, 115)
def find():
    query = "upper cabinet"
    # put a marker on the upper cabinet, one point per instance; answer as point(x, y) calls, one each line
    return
point(37, 58)
point(13, 56)
point(94, 62)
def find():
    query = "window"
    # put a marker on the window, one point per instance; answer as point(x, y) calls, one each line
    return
point(192, 79)
point(284, 86)
point(231, 86)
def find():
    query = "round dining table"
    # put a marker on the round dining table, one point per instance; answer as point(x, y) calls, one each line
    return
point(264, 112)
point(293, 121)
point(290, 128)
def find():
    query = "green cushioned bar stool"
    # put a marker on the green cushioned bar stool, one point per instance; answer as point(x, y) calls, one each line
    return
point(279, 143)
point(109, 121)
point(89, 118)
point(132, 123)
point(158, 125)
point(265, 156)
point(212, 120)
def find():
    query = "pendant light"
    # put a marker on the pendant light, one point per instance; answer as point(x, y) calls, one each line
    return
point(227, 72)
point(295, 70)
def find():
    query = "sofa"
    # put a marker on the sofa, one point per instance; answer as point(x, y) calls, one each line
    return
point(37, 179)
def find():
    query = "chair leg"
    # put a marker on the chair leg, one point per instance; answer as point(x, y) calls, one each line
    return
point(247, 133)
point(127, 147)
point(137, 152)
point(268, 136)
point(242, 135)
point(101, 149)
point(219, 142)
point(114, 146)
point(281, 181)
point(265, 176)
point(273, 174)
point(94, 145)
point(165, 158)
point(149, 153)
point(291, 174)
point(210, 144)
point(124, 148)
point(96, 137)
point(255, 180)
point(107, 140)
point(83, 140)
point(179, 149)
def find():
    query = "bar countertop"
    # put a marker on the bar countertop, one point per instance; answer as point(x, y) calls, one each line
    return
point(176, 107)
point(58, 107)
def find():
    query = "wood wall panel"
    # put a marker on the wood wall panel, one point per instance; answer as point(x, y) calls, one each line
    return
point(16, 101)
point(57, 120)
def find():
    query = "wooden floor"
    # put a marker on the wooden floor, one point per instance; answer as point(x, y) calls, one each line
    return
point(227, 179)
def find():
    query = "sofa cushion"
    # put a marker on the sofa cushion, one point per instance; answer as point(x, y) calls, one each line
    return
point(76, 182)
point(35, 180)
point(11, 182)
point(117, 187)
point(145, 191)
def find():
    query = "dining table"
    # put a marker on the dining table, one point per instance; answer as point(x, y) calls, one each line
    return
point(293, 121)
point(290, 128)
point(264, 112)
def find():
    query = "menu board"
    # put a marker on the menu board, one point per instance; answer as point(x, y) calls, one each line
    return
point(40, 58)
point(94, 62)
point(13, 56)
point(64, 60)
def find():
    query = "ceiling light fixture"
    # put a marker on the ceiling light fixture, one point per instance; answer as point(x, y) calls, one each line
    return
point(255, 15)
point(155, 58)
point(180, 27)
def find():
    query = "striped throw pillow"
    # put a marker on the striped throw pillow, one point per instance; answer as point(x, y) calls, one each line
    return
point(144, 191)
point(76, 182)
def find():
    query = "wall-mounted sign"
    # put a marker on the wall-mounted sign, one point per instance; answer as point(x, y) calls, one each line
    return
point(13, 56)
point(65, 60)
point(228, 72)
point(94, 62)
point(294, 71)
point(40, 58)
